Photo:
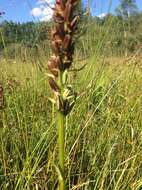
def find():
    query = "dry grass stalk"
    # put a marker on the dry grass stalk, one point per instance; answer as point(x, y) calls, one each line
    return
point(1, 97)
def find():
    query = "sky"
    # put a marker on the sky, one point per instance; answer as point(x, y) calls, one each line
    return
point(36, 10)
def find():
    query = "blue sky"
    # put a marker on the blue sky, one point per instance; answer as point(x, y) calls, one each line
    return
point(27, 10)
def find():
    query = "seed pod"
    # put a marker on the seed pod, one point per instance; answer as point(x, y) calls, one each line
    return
point(67, 41)
point(74, 22)
point(53, 85)
point(54, 65)
point(68, 12)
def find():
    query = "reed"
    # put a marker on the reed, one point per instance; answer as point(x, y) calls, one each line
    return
point(63, 44)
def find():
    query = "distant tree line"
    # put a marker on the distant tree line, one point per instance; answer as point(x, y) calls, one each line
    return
point(118, 34)
point(29, 33)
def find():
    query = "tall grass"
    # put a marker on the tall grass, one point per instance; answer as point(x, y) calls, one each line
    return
point(103, 134)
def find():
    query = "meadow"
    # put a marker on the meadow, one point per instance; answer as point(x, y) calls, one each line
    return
point(103, 132)
point(103, 136)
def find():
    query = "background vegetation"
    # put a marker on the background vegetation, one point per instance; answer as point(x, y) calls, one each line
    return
point(117, 35)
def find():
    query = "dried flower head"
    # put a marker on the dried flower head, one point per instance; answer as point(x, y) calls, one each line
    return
point(62, 43)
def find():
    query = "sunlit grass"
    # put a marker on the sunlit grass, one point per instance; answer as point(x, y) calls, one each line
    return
point(103, 138)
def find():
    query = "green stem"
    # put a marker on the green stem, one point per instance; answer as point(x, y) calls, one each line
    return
point(61, 141)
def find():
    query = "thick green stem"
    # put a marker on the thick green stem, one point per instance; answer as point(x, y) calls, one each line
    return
point(61, 142)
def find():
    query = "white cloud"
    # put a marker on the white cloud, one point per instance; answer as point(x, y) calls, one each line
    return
point(44, 2)
point(36, 12)
point(102, 15)
point(43, 10)
point(46, 14)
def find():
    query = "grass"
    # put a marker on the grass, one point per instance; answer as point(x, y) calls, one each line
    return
point(103, 132)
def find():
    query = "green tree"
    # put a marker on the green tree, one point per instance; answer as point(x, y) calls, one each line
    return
point(127, 8)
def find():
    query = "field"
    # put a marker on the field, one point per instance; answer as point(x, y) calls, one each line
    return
point(103, 132)
point(71, 98)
